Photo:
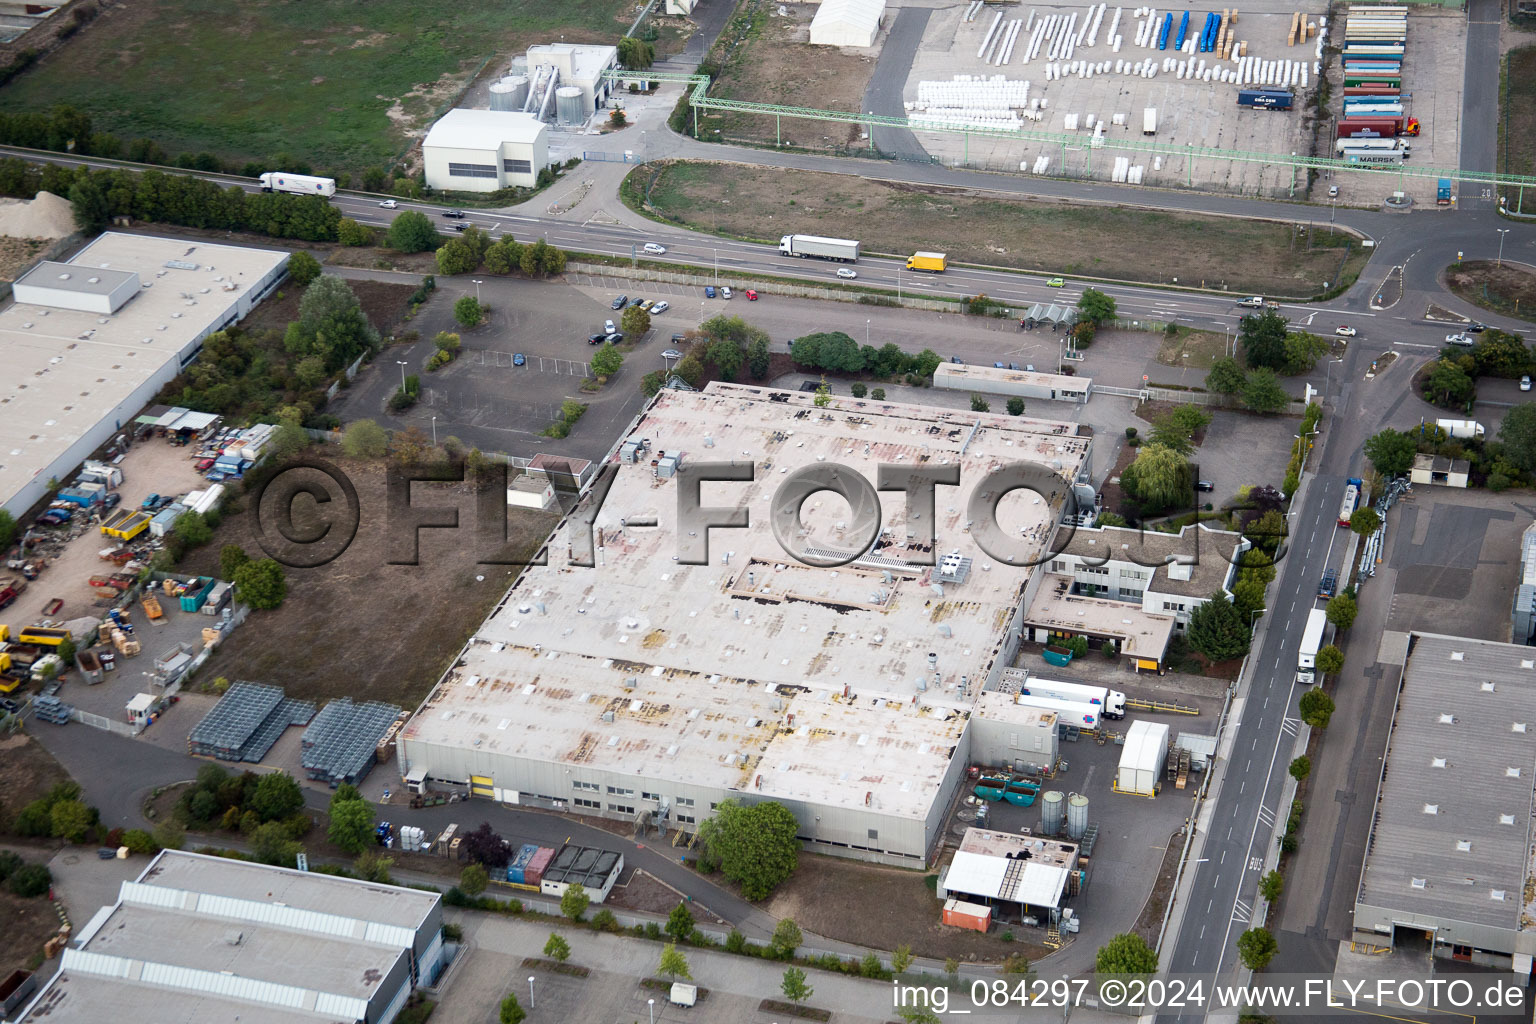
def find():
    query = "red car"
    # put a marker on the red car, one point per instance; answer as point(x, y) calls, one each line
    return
point(204, 464)
point(751, 295)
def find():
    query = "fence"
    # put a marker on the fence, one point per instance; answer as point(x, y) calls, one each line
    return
point(104, 723)
point(779, 286)
point(626, 157)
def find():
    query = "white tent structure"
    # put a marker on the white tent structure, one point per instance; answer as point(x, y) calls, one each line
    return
point(847, 22)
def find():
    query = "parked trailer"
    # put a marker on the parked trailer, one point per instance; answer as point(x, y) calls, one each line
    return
point(1351, 500)
point(1345, 145)
point(1374, 156)
point(1377, 127)
point(193, 599)
point(298, 184)
point(1443, 192)
point(1149, 121)
point(1265, 99)
point(1111, 701)
point(1354, 79)
point(844, 250)
point(1080, 714)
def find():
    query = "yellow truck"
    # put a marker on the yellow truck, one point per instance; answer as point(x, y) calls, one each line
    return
point(933, 262)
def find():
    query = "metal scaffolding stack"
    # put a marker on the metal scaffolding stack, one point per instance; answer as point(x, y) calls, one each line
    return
point(341, 744)
point(246, 722)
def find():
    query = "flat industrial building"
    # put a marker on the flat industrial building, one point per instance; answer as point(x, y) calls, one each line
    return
point(649, 685)
point(86, 344)
point(1450, 853)
point(215, 940)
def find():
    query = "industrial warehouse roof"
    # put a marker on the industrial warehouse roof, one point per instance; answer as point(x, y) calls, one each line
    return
point(758, 672)
point(847, 22)
point(65, 370)
point(960, 375)
point(1453, 813)
point(587, 61)
point(1141, 634)
point(1205, 555)
point(483, 129)
point(69, 277)
point(1017, 868)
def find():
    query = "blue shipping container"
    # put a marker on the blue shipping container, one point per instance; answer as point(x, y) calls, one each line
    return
point(1264, 98)
point(520, 863)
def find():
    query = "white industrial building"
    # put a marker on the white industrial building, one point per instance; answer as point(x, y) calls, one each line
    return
point(648, 686)
point(536, 492)
point(996, 380)
point(566, 80)
point(1439, 470)
point(1449, 860)
point(199, 938)
point(1143, 759)
point(847, 22)
point(86, 344)
point(1015, 875)
point(485, 150)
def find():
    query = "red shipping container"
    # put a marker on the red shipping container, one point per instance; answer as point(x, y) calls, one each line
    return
point(533, 874)
point(961, 914)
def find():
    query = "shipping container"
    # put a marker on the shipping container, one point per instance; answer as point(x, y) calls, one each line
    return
point(1265, 99)
point(962, 914)
point(519, 864)
point(299, 184)
point(534, 872)
point(1353, 79)
point(1377, 127)
point(1443, 192)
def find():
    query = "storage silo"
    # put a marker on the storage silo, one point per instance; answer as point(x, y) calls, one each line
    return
point(1053, 812)
point(519, 90)
point(501, 96)
point(570, 108)
point(1077, 816)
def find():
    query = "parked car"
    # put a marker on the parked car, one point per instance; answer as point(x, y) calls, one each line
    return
point(999, 366)
point(751, 295)
point(619, 303)
point(661, 307)
point(847, 272)
point(1204, 485)
point(9, 706)
point(614, 338)
point(53, 517)
point(388, 204)
point(595, 339)
point(1525, 383)
point(636, 301)
point(151, 502)
point(1459, 339)
point(709, 291)
point(725, 292)
point(647, 304)
point(203, 465)
point(1475, 328)
point(1333, 191)
point(608, 327)
point(1056, 282)
point(654, 249)
point(1344, 332)
point(114, 499)
point(453, 213)
point(518, 359)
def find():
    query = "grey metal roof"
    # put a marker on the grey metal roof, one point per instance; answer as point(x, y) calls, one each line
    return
point(72, 277)
point(1454, 810)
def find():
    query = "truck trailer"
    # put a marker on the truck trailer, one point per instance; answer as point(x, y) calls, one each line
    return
point(1344, 145)
point(1149, 121)
point(1311, 642)
point(1377, 127)
point(843, 250)
point(1461, 428)
point(1112, 702)
point(1076, 713)
point(934, 262)
point(1266, 99)
point(1374, 156)
point(298, 184)
point(1443, 192)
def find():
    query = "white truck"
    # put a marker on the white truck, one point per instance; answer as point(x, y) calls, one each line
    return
point(1111, 702)
point(843, 250)
point(1311, 641)
point(299, 184)
point(1068, 712)
point(1149, 121)
point(1461, 428)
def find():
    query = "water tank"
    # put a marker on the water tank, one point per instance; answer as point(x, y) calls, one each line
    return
point(1053, 812)
point(570, 108)
point(1077, 816)
point(510, 93)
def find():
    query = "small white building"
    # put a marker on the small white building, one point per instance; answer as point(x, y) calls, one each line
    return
point(485, 150)
point(574, 65)
point(1437, 469)
point(847, 22)
point(140, 708)
point(531, 492)
point(1143, 759)
point(682, 7)
point(83, 288)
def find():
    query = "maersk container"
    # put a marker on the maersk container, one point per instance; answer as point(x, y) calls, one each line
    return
point(1375, 156)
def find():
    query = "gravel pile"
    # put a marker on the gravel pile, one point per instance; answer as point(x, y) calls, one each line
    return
point(47, 216)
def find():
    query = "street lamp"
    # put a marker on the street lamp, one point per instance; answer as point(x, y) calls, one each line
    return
point(651, 1004)
point(403, 365)
point(530, 992)
point(866, 332)
point(1502, 233)
point(477, 290)
point(434, 431)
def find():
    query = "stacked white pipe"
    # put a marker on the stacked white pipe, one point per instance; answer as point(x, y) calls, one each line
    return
point(971, 102)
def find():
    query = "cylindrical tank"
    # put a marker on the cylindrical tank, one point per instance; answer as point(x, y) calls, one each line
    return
point(1053, 812)
point(1077, 816)
point(569, 106)
point(501, 96)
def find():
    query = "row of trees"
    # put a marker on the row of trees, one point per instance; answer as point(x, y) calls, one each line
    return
point(837, 352)
point(1258, 389)
point(1269, 343)
point(719, 349)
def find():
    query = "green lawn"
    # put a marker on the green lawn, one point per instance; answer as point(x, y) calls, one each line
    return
point(335, 83)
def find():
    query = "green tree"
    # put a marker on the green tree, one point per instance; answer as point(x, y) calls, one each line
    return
point(1391, 452)
point(1263, 392)
point(636, 54)
point(786, 939)
point(1248, 597)
point(351, 824)
point(557, 948)
point(1126, 954)
point(349, 232)
point(271, 845)
point(979, 404)
point(1300, 767)
point(331, 324)
point(635, 322)
point(1226, 377)
point(1448, 384)
point(754, 845)
point(468, 311)
point(192, 529)
point(574, 902)
point(303, 268)
point(679, 923)
point(261, 584)
point(1176, 429)
point(727, 357)
point(673, 963)
point(364, 439)
point(1316, 708)
point(373, 866)
point(1015, 406)
point(90, 205)
point(1342, 610)
point(915, 1008)
point(512, 1011)
point(457, 257)
point(1159, 478)
point(1365, 521)
point(1499, 354)
point(1096, 306)
point(169, 835)
point(1271, 886)
point(30, 880)
point(411, 231)
point(1302, 351)
point(1217, 630)
point(794, 986)
point(823, 395)
point(71, 820)
point(139, 841)
point(8, 528)
point(1263, 337)
point(1257, 947)
point(1518, 432)
point(473, 879)
point(758, 359)
point(606, 361)
point(1330, 660)
point(878, 394)
point(277, 796)
point(288, 440)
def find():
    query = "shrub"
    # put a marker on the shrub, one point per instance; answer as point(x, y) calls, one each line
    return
point(859, 390)
point(30, 880)
point(878, 394)
point(604, 921)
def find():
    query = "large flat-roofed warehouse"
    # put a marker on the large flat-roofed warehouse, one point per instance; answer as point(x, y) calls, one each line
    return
point(649, 685)
point(200, 938)
point(86, 344)
point(1449, 859)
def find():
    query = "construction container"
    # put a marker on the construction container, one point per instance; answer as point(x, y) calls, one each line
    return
point(961, 914)
point(517, 869)
point(197, 592)
point(533, 873)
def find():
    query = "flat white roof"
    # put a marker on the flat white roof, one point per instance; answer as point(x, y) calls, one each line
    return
point(1020, 869)
point(68, 277)
point(64, 370)
point(484, 129)
point(1142, 634)
point(587, 60)
point(758, 672)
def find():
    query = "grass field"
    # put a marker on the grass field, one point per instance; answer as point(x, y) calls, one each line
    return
point(1108, 242)
point(1199, 349)
point(1506, 289)
point(337, 84)
point(1517, 123)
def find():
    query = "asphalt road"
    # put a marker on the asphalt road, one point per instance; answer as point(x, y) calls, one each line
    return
point(883, 94)
point(1480, 92)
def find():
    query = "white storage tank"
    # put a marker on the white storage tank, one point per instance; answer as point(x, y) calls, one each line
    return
point(570, 108)
point(501, 96)
point(1077, 816)
point(1053, 812)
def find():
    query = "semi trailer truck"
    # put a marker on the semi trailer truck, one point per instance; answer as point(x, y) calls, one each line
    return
point(298, 184)
point(844, 250)
point(1311, 642)
point(1112, 702)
